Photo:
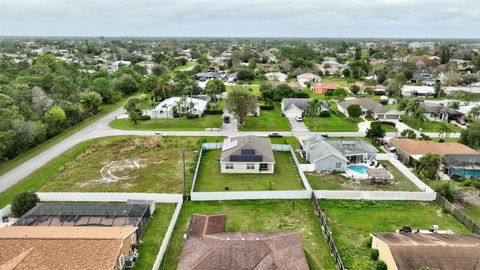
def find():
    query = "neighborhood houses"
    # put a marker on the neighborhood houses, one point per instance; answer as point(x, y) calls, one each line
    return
point(239, 153)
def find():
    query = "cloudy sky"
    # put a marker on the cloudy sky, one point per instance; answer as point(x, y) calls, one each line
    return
point(245, 18)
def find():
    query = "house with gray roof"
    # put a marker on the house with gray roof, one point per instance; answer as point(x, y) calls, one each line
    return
point(438, 112)
point(334, 155)
point(293, 107)
point(370, 106)
point(247, 154)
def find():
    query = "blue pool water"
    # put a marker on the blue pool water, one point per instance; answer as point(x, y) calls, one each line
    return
point(358, 168)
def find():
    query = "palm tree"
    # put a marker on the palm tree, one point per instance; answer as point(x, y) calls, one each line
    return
point(414, 110)
point(475, 112)
point(163, 88)
point(444, 129)
point(313, 106)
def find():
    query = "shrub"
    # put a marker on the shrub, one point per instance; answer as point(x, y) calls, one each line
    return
point(408, 133)
point(380, 265)
point(324, 114)
point(374, 254)
point(369, 242)
point(354, 110)
point(383, 102)
point(445, 190)
point(145, 117)
point(23, 202)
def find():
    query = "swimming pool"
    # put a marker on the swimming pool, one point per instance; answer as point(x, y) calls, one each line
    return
point(358, 168)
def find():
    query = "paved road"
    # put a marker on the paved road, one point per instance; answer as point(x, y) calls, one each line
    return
point(101, 128)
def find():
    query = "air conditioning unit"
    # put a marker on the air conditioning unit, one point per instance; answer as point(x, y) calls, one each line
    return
point(129, 262)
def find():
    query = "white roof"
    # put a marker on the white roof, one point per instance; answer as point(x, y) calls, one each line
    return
point(418, 89)
point(169, 103)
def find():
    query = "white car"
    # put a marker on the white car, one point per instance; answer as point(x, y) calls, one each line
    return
point(298, 119)
point(160, 133)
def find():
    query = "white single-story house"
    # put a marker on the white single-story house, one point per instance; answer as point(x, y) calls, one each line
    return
point(418, 91)
point(295, 107)
point(333, 155)
point(305, 78)
point(247, 154)
point(170, 106)
point(276, 76)
point(377, 110)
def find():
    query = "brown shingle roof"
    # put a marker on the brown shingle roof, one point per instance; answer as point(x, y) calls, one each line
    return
point(61, 247)
point(414, 147)
point(239, 250)
point(440, 251)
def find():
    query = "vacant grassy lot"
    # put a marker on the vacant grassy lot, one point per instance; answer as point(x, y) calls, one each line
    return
point(267, 121)
point(182, 123)
point(153, 236)
point(210, 179)
point(79, 168)
point(427, 126)
point(187, 66)
point(334, 123)
point(336, 181)
point(352, 222)
point(258, 216)
point(252, 88)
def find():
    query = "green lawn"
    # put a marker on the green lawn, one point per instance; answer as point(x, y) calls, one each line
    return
point(78, 168)
point(335, 181)
point(293, 141)
point(153, 235)
point(389, 128)
point(258, 216)
point(334, 123)
point(189, 64)
point(351, 223)
point(473, 211)
point(427, 126)
point(6, 166)
point(267, 121)
point(285, 176)
point(182, 123)
point(253, 89)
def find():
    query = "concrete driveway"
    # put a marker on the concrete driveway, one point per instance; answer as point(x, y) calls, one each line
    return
point(297, 126)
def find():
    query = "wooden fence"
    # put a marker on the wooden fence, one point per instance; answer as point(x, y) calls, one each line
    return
point(458, 214)
point(326, 231)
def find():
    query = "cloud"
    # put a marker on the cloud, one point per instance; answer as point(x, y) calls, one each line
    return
point(312, 18)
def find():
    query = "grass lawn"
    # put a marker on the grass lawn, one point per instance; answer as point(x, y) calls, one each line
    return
point(182, 123)
point(285, 176)
point(334, 123)
point(258, 216)
point(352, 222)
point(472, 211)
point(153, 235)
point(389, 128)
point(267, 121)
point(188, 65)
point(335, 181)
point(6, 166)
point(293, 141)
point(78, 169)
point(253, 89)
point(427, 126)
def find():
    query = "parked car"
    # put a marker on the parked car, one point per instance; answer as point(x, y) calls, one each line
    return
point(160, 133)
point(460, 121)
point(298, 119)
point(226, 119)
point(275, 134)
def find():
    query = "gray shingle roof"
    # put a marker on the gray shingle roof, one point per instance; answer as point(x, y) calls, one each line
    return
point(368, 104)
point(232, 148)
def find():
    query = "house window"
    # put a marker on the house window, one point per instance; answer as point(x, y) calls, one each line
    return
point(338, 165)
point(229, 166)
point(263, 167)
point(250, 166)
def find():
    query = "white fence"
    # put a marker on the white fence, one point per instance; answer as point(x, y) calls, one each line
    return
point(307, 167)
point(281, 147)
point(375, 195)
point(194, 181)
point(168, 235)
point(412, 177)
point(108, 197)
point(209, 146)
point(250, 195)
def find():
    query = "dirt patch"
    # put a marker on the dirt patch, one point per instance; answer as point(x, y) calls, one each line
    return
point(471, 197)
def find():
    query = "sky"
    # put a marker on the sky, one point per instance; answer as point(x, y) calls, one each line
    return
point(242, 18)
